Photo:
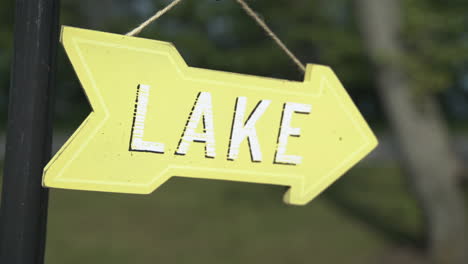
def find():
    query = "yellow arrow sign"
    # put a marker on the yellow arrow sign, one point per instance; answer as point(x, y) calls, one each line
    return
point(154, 117)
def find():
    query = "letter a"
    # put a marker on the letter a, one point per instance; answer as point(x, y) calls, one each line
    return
point(202, 110)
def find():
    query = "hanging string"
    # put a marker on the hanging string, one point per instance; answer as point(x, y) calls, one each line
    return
point(150, 20)
point(270, 33)
point(247, 9)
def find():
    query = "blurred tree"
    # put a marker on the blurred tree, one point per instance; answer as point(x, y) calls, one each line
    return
point(408, 70)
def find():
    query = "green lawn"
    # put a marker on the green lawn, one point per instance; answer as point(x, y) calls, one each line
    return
point(192, 221)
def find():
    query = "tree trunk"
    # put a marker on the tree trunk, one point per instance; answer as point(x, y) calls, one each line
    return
point(421, 134)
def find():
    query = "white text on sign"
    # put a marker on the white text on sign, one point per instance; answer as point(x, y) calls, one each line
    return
point(202, 114)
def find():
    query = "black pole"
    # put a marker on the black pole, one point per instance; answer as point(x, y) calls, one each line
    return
point(23, 214)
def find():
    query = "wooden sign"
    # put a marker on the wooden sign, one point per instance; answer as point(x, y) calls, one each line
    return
point(154, 117)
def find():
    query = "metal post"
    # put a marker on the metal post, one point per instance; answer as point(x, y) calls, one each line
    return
point(23, 214)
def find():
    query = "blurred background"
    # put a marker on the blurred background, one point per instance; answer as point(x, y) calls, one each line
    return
point(404, 62)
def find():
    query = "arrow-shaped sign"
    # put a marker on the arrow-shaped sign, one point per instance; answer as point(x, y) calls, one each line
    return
point(154, 117)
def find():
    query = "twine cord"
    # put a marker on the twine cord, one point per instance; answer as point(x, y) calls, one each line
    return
point(150, 20)
point(249, 12)
point(271, 34)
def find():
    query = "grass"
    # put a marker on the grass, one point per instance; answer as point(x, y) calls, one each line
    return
point(381, 197)
point(198, 221)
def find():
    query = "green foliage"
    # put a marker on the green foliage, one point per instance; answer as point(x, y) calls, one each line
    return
point(436, 40)
point(219, 35)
